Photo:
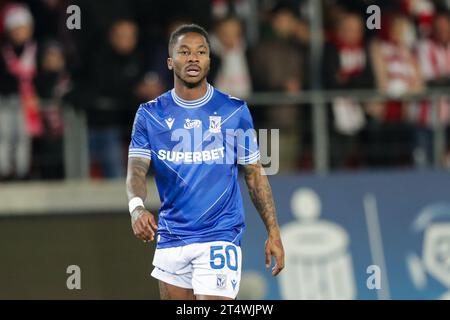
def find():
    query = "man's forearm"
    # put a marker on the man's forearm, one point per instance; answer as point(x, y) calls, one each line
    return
point(261, 195)
point(143, 222)
point(136, 178)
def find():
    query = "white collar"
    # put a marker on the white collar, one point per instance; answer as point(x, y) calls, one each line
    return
point(193, 103)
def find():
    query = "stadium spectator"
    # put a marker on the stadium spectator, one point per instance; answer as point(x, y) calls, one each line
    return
point(346, 65)
point(233, 76)
point(53, 84)
point(221, 9)
point(276, 64)
point(276, 60)
point(434, 60)
point(243, 10)
point(19, 110)
point(397, 73)
point(116, 74)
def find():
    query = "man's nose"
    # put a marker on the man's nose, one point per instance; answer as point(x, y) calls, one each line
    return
point(193, 57)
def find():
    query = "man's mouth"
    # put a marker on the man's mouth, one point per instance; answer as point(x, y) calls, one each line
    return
point(193, 71)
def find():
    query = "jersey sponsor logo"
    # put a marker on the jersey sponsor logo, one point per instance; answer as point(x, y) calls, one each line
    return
point(191, 157)
point(191, 124)
point(234, 283)
point(215, 124)
point(221, 281)
point(170, 122)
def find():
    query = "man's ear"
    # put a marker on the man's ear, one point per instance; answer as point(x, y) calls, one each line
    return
point(170, 63)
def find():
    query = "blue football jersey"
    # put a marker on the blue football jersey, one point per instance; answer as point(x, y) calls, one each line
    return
point(195, 147)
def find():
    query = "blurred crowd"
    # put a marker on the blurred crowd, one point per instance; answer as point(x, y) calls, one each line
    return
point(117, 60)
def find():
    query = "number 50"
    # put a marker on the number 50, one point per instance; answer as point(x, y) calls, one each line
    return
point(217, 253)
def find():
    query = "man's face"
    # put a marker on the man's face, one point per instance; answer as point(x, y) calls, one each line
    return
point(22, 34)
point(442, 29)
point(350, 31)
point(190, 59)
point(123, 37)
point(284, 23)
point(230, 33)
point(53, 60)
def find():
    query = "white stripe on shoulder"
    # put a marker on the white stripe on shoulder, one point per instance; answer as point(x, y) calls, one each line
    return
point(232, 114)
point(154, 118)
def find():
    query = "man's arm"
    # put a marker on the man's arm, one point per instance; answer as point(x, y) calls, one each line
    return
point(261, 194)
point(142, 221)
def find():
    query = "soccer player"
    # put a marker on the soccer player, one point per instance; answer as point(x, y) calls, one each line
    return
point(195, 136)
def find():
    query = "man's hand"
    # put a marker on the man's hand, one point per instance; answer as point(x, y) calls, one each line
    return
point(274, 248)
point(144, 225)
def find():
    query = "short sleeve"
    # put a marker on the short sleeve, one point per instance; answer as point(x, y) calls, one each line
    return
point(140, 144)
point(247, 143)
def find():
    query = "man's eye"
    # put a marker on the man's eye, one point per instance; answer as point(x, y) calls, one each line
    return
point(183, 53)
point(202, 52)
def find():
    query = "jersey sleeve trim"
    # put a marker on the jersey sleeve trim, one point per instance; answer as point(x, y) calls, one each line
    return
point(250, 159)
point(139, 153)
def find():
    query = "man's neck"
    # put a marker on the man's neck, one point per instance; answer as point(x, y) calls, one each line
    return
point(186, 93)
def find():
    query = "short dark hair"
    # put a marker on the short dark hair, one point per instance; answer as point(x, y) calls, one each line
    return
point(183, 29)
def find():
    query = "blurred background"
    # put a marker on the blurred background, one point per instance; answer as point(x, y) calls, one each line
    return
point(361, 99)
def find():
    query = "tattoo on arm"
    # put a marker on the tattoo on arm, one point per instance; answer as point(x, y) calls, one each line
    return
point(261, 194)
point(136, 175)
